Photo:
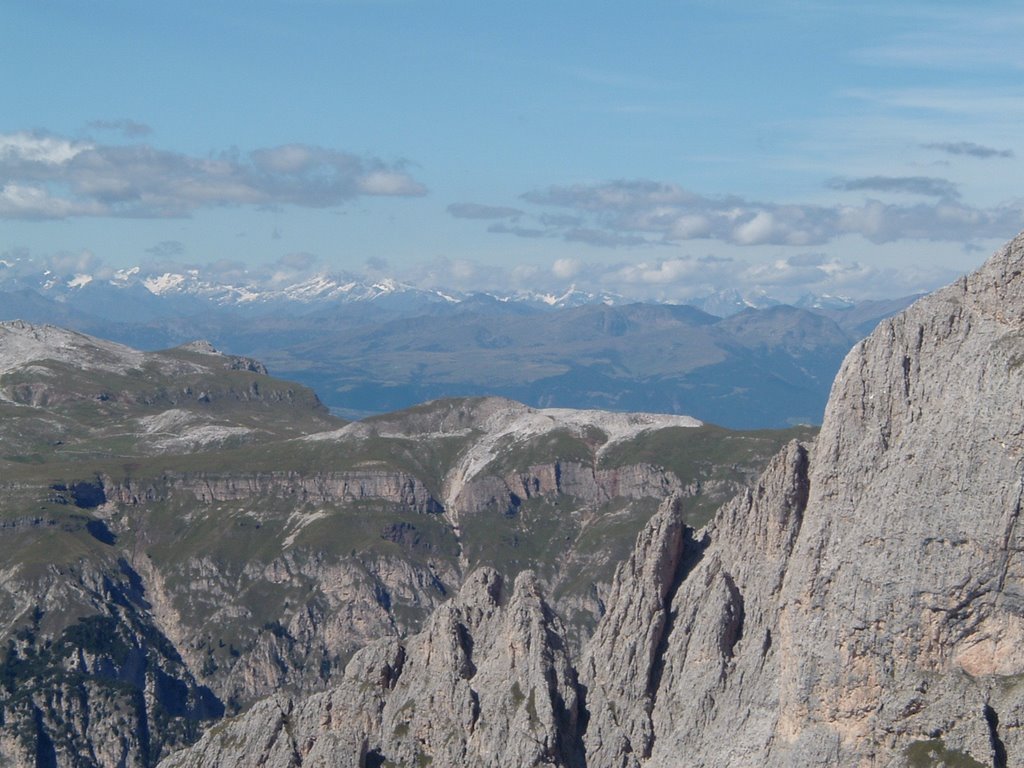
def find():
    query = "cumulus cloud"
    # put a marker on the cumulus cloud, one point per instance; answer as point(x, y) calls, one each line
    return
point(968, 148)
point(687, 278)
point(632, 213)
point(668, 272)
point(51, 177)
point(478, 211)
point(566, 268)
point(390, 183)
point(927, 186)
point(19, 263)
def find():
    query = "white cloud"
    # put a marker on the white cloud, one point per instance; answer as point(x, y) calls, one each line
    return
point(760, 229)
point(690, 226)
point(18, 201)
point(17, 148)
point(53, 177)
point(391, 183)
point(635, 213)
point(566, 268)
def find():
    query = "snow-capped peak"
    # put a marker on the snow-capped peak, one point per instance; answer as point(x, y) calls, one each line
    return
point(164, 283)
point(78, 281)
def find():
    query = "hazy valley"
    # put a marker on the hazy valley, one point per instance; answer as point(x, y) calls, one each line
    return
point(370, 347)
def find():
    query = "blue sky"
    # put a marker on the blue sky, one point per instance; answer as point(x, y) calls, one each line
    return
point(660, 149)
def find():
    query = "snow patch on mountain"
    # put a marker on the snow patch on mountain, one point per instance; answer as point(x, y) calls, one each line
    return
point(79, 281)
point(164, 283)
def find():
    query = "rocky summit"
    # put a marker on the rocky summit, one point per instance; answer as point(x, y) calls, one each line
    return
point(860, 605)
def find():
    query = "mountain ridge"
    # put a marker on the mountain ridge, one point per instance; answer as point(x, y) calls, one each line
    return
point(182, 534)
point(860, 605)
point(376, 345)
point(257, 287)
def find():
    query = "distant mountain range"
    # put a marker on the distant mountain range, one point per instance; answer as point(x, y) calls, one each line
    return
point(370, 346)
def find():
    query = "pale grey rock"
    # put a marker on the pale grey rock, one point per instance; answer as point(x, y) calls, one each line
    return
point(716, 693)
point(688, 630)
point(486, 683)
point(622, 655)
point(319, 488)
point(903, 615)
point(867, 611)
point(108, 691)
point(232, 362)
point(23, 343)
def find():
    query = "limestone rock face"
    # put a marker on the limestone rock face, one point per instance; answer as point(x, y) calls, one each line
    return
point(109, 689)
point(487, 682)
point(865, 609)
point(902, 614)
point(683, 662)
point(326, 487)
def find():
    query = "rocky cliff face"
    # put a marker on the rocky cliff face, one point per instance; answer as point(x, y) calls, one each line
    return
point(684, 660)
point(108, 688)
point(903, 603)
point(318, 488)
point(486, 683)
point(867, 611)
point(863, 605)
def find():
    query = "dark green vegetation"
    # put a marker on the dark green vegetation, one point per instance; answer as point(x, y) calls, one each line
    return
point(933, 753)
point(173, 547)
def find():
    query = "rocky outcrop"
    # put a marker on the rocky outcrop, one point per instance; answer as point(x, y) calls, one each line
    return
point(866, 611)
point(487, 683)
point(688, 633)
point(586, 483)
point(109, 689)
point(231, 362)
point(324, 487)
point(903, 605)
